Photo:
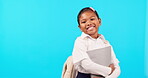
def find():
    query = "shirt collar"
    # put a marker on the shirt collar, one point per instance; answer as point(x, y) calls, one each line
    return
point(84, 36)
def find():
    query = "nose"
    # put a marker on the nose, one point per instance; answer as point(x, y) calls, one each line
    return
point(89, 23)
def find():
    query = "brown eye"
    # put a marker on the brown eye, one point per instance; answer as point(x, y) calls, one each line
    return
point(92, 19)
point(83, 22)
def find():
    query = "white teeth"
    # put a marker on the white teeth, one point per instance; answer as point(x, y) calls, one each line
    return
point(90, 28)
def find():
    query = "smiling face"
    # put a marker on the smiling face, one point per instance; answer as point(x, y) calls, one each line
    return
point(89, 23)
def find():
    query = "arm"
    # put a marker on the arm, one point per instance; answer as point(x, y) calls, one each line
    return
point(94, 68)
point(115, 73)
point(83, 63)
point(115, 63)
point(87, 66)
point(117, 70)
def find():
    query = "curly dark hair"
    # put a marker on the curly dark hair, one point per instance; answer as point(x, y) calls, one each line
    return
point(84, 10)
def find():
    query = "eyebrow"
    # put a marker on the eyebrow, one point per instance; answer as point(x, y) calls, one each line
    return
point(85, 19)
point(92, 16)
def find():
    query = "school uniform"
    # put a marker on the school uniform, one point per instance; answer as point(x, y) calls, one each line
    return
point(82, 62)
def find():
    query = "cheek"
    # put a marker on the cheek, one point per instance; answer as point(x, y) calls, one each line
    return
point(82, 26)
point(98, 23)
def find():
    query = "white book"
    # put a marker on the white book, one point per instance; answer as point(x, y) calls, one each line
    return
point(101, 56)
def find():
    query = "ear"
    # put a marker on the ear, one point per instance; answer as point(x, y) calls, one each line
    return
point(79, 27)
point(100, 21)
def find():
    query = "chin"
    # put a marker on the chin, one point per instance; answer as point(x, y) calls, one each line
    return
point(92, 32)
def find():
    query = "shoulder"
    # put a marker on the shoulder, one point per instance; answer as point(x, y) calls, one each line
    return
point(80, 41)
point(102, 36)
point(103, 39)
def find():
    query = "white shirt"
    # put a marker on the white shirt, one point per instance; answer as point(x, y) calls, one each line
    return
point(82, 61)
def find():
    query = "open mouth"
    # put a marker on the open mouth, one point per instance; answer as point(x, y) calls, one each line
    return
point(90, 28)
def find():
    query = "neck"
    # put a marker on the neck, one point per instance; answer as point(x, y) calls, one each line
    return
point(95, 36)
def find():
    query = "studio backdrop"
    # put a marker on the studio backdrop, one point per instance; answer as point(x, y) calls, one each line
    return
point(37, 36)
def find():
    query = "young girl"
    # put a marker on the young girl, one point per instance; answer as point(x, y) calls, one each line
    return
point(90, 39)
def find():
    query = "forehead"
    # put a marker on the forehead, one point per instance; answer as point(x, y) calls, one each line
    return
point(87, 14)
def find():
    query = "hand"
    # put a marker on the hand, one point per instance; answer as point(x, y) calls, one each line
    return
point(112, 67)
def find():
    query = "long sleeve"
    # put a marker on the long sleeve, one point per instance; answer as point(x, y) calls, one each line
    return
point(94, 68)
point(83, 63)
point(116, 73)
point(117, 70)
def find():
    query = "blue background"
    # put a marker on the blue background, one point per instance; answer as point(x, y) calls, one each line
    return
point(37, 36)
